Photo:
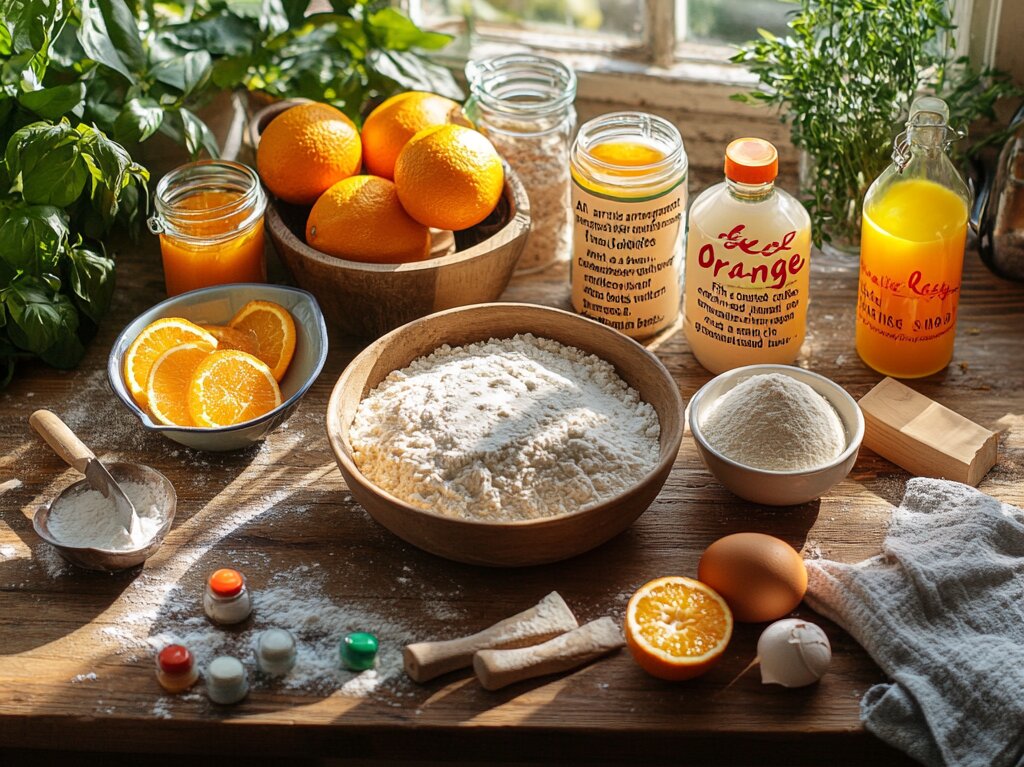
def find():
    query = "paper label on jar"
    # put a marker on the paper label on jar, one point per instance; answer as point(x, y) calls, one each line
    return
point(626, 259)
point(746, 295)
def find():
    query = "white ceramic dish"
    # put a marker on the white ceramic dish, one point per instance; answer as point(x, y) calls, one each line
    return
point(215, 306)
point(778, 488)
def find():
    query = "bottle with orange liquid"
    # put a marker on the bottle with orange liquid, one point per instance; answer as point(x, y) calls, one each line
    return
point(628, 202)
point(912, 251)
point(209, 215)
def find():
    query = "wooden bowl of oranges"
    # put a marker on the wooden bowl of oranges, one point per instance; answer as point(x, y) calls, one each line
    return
point(413, 214)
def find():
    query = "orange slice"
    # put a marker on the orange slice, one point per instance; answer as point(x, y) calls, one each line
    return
point(274, 329)
point(169, 379)
point(154, 340)
point(229, 338)
point(677, 628)
point(231, 387)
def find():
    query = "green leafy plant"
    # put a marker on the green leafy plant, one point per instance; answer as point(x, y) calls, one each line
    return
point(843, 79)
point(64, 185)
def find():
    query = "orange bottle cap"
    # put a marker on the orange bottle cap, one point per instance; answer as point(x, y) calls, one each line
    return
point(175, 659)
point(751, 161)
point(226, 582)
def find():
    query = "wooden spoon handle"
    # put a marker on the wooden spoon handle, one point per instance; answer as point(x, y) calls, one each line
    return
point(61, 439)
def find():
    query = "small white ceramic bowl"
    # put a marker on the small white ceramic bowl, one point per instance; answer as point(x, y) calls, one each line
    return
point(215, 306)
point(777, 488)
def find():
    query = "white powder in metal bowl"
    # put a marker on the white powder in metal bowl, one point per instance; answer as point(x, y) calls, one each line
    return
point(774, 422)
point(87, 519)
point(505, 429)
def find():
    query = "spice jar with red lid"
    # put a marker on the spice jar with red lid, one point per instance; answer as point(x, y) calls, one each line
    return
point(175, 669)
point(227, 599)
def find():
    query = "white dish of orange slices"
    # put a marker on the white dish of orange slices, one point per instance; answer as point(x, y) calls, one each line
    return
point(221, 367)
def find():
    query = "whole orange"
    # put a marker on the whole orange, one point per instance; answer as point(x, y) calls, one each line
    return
point(305, 150)
point(389, 127)
point(449, 177)
point(361, 219)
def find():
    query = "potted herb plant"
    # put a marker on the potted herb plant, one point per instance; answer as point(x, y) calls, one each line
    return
point(843, 79)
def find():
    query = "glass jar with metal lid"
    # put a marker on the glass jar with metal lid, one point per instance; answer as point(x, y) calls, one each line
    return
point(524, 105)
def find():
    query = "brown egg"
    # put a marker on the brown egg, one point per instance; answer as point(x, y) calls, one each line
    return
point(761, 577)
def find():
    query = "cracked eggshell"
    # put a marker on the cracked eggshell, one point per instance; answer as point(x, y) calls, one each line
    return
point(793, 653)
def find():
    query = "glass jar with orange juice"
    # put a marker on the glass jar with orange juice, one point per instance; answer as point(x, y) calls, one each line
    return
point(209, 215)
point(628, 203)
point(912, 251)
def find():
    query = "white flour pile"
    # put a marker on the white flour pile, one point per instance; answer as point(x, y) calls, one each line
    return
point(775, 422)
point(87, 519)
point(510, 429)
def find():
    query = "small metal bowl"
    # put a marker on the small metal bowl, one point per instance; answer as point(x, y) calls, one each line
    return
point(102, 559)
point(215, 306)
point(777, 488)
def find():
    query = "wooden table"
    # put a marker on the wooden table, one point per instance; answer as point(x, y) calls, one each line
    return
point(75, 672)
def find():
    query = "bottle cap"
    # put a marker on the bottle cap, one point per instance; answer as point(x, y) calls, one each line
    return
point(225, 670)
point(358, 650)
point(276, 645)
point(751, 161)
point(226, 582)
point(174, 659)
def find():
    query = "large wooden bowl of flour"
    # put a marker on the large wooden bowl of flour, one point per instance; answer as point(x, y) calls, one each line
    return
point(520, 542)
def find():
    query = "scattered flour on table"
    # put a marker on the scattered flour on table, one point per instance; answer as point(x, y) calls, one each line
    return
point(87, 518)
point(7, 552)
point(508, 429)
point(90, 677)
point(774, 422)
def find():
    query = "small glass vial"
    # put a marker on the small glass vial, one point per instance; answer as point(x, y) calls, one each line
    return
point(913, 234)
point(275, 652)
point(227, 599)
point(226, 681)
point(175, 669)
point(747, 265)
point(209, 215)
point(359, 651)
point(524, 105)
point(628, 202)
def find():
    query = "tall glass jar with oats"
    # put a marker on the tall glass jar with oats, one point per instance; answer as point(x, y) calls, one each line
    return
point(524, 105)
point(629, 207)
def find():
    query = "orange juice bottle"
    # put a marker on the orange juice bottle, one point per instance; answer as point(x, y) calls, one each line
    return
point(628, 198)
point(912, 251)
point(209, 216)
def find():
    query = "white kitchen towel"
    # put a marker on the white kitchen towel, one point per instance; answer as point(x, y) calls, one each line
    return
point(941, 610)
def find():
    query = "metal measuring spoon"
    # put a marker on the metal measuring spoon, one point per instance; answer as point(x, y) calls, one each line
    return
point(77, 455)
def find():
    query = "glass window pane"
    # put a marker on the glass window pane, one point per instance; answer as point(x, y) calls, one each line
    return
point(729, 21)
point(614, 18)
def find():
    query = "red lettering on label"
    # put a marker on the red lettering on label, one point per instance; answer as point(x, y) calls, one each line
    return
point(940, 290)
point(734, 239)
point(779, 271)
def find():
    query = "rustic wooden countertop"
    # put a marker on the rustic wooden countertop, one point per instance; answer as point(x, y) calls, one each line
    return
point(76, 672)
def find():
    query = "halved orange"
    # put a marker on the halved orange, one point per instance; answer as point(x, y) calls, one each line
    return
point(154, 340)
point(229, 338)
point(231, 387)
point(274, 329)
point(677, 628)
point(169, 380)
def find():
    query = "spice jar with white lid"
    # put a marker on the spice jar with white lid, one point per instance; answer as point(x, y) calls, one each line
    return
point(226, 681)
point(525, 105)
point(227, 599)
point(275, 652)
point(175, 669)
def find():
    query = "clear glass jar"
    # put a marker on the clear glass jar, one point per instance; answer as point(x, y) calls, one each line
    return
point(913, 235)
point(175, 668)
point(524, 105)
point(628, 200)
point(747, 265)
point(209, 215)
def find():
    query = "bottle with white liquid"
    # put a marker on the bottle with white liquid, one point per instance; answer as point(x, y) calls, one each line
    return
point(747, 272)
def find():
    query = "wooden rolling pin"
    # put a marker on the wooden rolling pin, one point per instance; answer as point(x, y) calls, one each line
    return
point(548, 618)
point(498, 668)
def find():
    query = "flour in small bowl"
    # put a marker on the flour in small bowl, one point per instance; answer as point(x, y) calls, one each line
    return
point(505, 429)
point(87, 519)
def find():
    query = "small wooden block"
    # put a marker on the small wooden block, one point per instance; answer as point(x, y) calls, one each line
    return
point(924, 437)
